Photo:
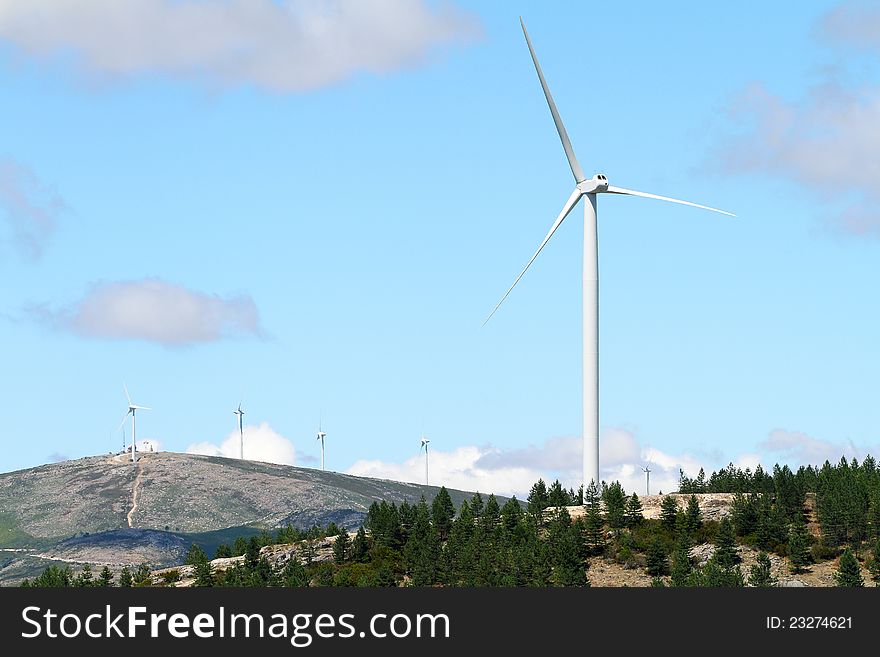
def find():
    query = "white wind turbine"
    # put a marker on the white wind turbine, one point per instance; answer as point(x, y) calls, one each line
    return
point(132, 408)
point(321, 436)
point(647, 471)
point(587, 188)
point(425, 442)
point(240, 414)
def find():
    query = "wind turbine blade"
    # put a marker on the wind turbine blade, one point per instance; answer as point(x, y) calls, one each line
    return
point(124, 418)
point(629, 192)
point(567, 208)
point(560, 128)
point(127, 396)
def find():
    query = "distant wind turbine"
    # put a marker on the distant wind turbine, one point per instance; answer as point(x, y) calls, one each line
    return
point(588, 188)
point(647, 471)
point(425, 442)
point(321, 436)
point(240, 414)
point(132, 408)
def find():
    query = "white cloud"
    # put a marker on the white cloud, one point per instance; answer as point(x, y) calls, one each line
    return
point(456, 469)
point(261, 443)
point(556, 454)
point(804, 449)
point(826, 141)
point(853, 24)
point(281, 45)
point(490, 469)
point(28, 207)
point(156, 311)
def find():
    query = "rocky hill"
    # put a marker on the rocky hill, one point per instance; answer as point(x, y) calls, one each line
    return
point(74, 511)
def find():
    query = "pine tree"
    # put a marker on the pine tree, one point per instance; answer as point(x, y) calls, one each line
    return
point(656, 559)
point(125, 579)
point(294, 573)
point(763, 533)
point(714, 575)
point(442, 512)
point(53, 577)
point(538, 500)
point(492, 513)
point(511, 513)
point(252, 554)
point(360, 546)
point(557, 496)
point(874, 514)
point(341, 546)
point(401, 519)
point(459, 553)
point(592, 496)
point(422, 550)
point(634, 515)
point(142, 575)
point(874, 564)
point(540, 561)
point(693, 515)
point(477, 505)
point(567, 551)
point(744, 514)
point(85, 578)
point(681, 561)
point(308, 551)
point(668, 511)
point(525, 549)
point(615, 506)
point(700, 483)
point(798, 547)
point(204, 574)
point(240, 546)
point(195, 555)
point(106, 577)
point(725, 545)
point(760, 574)
point(848, 572)
point(594, 524)
point(385, 524)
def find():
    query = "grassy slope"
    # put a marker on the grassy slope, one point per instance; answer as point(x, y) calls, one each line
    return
point(184, 494)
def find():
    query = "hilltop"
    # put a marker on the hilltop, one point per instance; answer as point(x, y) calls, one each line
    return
point(105, 509)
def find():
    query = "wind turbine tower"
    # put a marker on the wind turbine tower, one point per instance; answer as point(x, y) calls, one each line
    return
point(425, 442)
point(240, 414)
point(647, 471)
point(321, 436)
point(589, 189)
point(132, 408)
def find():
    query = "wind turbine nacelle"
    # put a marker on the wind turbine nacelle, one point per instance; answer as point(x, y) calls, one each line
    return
point(595, 185)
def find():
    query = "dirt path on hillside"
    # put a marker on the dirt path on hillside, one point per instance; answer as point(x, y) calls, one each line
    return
point(134, 492)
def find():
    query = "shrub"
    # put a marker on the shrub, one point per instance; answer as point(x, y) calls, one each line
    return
point(171, 576)
point(822, 551)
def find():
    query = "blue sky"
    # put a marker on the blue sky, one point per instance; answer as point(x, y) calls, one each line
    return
point(312, 207)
